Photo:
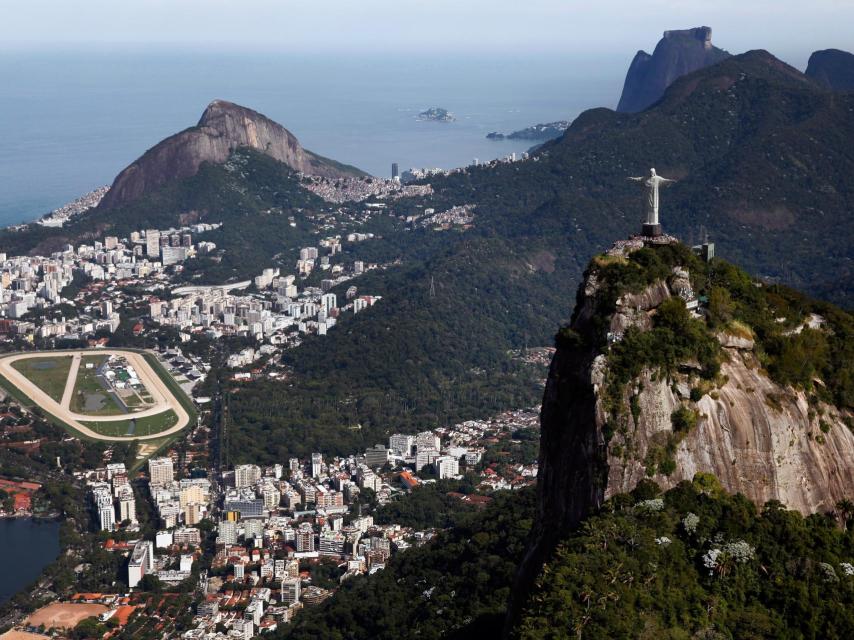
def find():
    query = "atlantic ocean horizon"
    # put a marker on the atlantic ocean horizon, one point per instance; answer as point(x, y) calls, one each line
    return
point(72, 120)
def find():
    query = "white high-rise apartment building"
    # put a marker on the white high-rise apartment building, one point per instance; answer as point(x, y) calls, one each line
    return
point(290, 591)
point(246, 475)
point(428, 440)
point(127, 504)
point(328, 301)
point(141, 562)
point(316, 464)
point(102, 497)
point(272, 497)
point(152, 243)
point(423, 457)
point(228, 532)
point(160, 471)
point(447, 467)
point(401, 444)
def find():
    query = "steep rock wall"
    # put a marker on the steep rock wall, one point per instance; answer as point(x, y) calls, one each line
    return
point(832, 68)
point(677, 54)
point(756, 437)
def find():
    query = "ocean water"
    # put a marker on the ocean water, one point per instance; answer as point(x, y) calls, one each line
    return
point(70, 121)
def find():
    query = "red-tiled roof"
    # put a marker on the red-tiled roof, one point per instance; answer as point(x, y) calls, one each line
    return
point(124, 613)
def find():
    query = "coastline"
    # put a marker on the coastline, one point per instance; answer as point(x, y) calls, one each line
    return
point(52, 517)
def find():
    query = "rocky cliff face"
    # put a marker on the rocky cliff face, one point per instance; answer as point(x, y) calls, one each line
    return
point(223, 127)
point(760, 438)
point(757, 437)
point(832, 68)
point(676, 54)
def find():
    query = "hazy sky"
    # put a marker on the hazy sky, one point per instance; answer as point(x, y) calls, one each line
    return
point(788, 28)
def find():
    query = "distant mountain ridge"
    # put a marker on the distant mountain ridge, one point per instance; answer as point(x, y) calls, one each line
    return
point(832, 68)
point(223, 127)
point(678, 53)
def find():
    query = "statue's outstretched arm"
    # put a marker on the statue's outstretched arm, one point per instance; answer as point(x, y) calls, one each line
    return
point(636, 178)
point(667, 181)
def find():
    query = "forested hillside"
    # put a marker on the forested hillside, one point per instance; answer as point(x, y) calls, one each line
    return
point(694, 562)
point(697, 563)
point(760, 156)
point(414, 360)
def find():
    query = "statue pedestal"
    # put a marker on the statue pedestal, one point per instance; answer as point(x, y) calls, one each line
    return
point(651, 230)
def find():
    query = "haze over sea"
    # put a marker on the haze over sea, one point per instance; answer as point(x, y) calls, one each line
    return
point(69, 122)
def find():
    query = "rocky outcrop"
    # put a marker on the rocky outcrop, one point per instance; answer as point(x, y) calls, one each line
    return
point(832, 68)
point(759, 438)
point(223, 127)
point(678, 53)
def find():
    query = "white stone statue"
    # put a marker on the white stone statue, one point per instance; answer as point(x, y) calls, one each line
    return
point(652, 183)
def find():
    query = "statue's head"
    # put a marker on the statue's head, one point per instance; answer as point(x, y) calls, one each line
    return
point(652, 172)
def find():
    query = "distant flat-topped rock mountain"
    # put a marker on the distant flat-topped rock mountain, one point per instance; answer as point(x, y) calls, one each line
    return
point(223, 127)
point(832, 68)
point(676, 54)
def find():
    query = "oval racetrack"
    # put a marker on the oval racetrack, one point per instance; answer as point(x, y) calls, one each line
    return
point(164, 400)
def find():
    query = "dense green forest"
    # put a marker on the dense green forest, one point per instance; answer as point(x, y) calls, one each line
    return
point(697, 563)
point(761, 158)
point(450, 351)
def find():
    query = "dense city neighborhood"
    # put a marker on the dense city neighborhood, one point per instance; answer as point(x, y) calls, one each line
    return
point(274, 539)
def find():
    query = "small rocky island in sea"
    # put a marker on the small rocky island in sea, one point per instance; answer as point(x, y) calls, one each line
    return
point(538, 132)
point(436, 114)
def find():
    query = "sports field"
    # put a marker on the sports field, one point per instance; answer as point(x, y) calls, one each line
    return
point(64, 615)
point(103, 394)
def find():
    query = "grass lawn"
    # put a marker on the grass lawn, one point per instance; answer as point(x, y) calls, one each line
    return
point(88, 384)
point(48, 374)
point(133, 401)
point(139, 427)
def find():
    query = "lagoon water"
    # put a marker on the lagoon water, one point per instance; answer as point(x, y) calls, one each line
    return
point(29, 546)
point(70, 121)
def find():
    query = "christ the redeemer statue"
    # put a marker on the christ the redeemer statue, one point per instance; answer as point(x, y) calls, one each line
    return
point(652, 227)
